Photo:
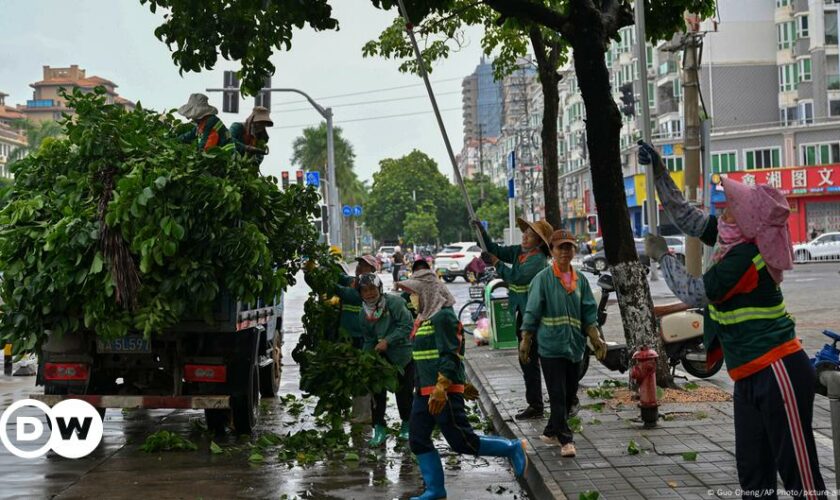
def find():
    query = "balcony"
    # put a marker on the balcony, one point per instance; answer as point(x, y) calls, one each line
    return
point(667, 67)
point(832, 82)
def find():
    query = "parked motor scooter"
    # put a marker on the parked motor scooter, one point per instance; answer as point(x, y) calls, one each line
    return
point(680, 326)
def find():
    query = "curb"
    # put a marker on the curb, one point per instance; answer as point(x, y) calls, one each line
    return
point(537, 478)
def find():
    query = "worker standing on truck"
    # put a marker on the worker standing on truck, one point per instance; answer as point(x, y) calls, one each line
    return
point(438, 351)
point(251, 137)
point(386, 324)
point(526, 260)
point(209, 131)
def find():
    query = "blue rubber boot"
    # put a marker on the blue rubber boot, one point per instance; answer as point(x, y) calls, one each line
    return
point(380, 433)
point(404, 431)
point(432, 471)
point(513, 449)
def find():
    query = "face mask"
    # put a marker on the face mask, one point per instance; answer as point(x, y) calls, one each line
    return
point(728, 232)
point(415, 301)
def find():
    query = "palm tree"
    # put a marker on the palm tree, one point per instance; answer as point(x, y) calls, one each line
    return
point(310, 153)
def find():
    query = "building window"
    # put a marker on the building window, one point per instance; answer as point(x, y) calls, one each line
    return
point(806, 112)
point(782, 3)
point(674, 163)
point(802, 27)
point(805, 69)
point(678, 92)
point(788, 116)
point(651, 95)
point(831, 27)
point(762, 158)
point(724, 162)
point(649, 56)
point(784, 35)
point(788, 74)
point(834, 108)
point(820, 154)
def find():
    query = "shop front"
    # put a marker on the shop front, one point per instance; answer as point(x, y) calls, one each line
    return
point(812, 192)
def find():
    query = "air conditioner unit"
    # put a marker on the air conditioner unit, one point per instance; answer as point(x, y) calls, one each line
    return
point(651, 73)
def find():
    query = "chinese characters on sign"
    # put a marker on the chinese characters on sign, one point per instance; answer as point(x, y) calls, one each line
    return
point(774, 179)
point(793, 181)
point(799, 179)
point(825, 177)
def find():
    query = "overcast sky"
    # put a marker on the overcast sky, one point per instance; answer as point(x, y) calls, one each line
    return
point(114, 39)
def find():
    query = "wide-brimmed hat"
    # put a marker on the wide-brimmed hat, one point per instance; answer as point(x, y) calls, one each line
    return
point(541, 227)
point(367, 259)
point(562, 236)
point(261, 115)
point(761, 213)
point(197, 107)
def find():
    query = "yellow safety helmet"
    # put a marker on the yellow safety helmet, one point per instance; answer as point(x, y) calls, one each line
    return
point(334, 250)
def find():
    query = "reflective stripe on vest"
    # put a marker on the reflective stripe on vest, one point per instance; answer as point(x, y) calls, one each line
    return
point(425, 330)
point(424, 355)
point(519, 288)
point(746, 314)
point(349, 308)
point(560, 321)
point(229, 147)
point(758, 260)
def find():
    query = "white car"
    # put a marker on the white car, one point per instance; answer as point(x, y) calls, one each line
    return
point(453, 259)
point(676, 245)
point(823, 247)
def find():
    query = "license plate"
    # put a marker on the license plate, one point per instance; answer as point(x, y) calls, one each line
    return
point(130, 344)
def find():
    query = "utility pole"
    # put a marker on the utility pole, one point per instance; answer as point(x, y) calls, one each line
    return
point(691, 86)
point(481, 159)
point(644, 110)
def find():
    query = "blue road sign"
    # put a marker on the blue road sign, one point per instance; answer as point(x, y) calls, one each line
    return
point(667, 150)
point(511, 164)
point(346, 210)
point(511, 189)
point(357, 211)
point(313, 178)
point(486, 225)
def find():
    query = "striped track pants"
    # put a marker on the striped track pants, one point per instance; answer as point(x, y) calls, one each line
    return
point(773, 411)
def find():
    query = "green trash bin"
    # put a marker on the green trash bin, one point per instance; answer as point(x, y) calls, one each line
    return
point(502, 327)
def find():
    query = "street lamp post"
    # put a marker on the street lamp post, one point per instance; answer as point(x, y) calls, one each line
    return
point(332, 186)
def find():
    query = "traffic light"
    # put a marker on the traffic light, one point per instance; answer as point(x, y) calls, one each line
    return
point(263, 97)
point(284, 177)
point(299, 176)
point(592, 223)
point(325, 219)
point(230, 99)
point(628, 99)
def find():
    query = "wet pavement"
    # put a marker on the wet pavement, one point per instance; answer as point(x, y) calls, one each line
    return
point(119, 469)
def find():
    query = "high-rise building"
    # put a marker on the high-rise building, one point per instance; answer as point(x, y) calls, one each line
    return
point(47, 103)
point(482, 100)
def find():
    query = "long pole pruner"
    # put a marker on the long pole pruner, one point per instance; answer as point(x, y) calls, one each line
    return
point(409, 28)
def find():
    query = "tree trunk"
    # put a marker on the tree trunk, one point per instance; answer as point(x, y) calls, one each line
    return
point(603, 128)
point(547, 62)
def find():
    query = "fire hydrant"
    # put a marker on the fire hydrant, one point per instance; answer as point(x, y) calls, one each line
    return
point(644, 374)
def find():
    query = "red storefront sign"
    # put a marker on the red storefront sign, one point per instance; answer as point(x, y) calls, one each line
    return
point(794, 181)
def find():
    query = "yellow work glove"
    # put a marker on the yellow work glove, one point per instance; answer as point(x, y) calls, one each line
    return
point(525, 347)
point(598, 344)
point(437, 399)
point(470, 392)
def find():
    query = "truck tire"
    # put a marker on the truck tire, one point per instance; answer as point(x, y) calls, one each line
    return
point(244, 407)
point(270, 374)
point(217, 420)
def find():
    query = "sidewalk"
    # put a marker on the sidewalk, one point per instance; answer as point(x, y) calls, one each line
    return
point(603, 463)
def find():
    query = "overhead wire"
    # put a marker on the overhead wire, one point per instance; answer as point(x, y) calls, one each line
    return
point(364, 92)
point(376, 101)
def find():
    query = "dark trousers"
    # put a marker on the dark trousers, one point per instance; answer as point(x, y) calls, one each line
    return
point(453, 425)
point(561, 384)
point(379, 401)
point(395, 272)
point(531, 370)
point(773, 412)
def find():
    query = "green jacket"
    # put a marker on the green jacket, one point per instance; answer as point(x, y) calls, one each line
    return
point(208, 133)
point(560, 318)
point(241, 139)
point(519, 275)
point(746, 320)
point(438, 348)
point(351, 306)
point(393, 326)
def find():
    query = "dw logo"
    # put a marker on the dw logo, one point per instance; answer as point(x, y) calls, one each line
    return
point(76, 429)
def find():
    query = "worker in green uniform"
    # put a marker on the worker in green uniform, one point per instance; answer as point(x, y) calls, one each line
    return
point(386, 325)
point(251, 137)
point(438, 353)
point(526, 260)
point(208, 130)
point(747, 324)
point(561, 313)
